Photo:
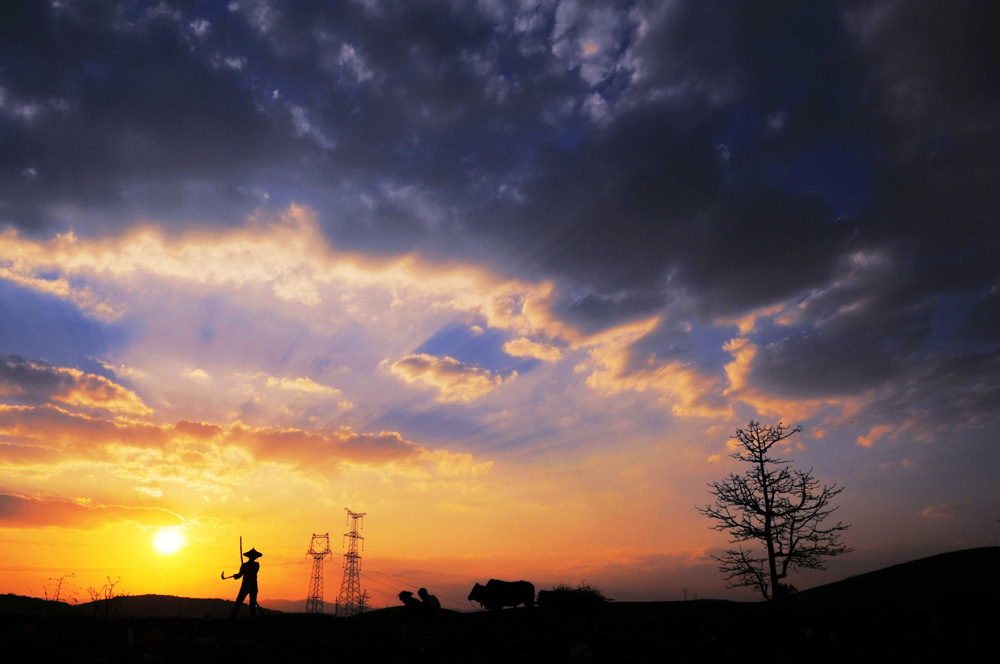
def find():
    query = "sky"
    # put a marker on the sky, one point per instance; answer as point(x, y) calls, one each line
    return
point(504, 276)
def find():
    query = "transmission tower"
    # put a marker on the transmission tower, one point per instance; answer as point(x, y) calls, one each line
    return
point(350, 601)
point(319, 548)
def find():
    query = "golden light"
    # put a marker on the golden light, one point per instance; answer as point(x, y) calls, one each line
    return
point(168, 541)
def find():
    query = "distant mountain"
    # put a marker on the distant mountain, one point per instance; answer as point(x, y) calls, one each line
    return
point(33, 606)
point(958, 579)
point(293, 605)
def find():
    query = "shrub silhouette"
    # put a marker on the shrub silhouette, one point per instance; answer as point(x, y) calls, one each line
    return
point(583, 597)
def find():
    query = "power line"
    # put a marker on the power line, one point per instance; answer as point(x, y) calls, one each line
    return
point(407, 583)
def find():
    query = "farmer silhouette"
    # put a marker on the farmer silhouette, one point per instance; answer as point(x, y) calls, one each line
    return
point(432, 606)
point(248, 572)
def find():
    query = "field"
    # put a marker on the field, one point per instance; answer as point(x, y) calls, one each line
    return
point(923, 621)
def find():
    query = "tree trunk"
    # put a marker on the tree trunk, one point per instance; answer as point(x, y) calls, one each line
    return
point(772, 566)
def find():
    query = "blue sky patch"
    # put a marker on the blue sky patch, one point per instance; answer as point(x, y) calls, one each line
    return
point(482, 350)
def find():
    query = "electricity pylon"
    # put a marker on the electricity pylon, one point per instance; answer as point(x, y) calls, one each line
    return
point(350, 602)
point(319, 548)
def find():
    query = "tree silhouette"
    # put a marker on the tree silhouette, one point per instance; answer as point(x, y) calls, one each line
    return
point(780, 507)
point(364, 600)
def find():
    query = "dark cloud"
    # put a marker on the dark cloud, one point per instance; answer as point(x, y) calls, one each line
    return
point(726, 157)
point(123, 115)
point(19, 376)
point(982, 323)
point(851, 335)
point(590, 311)
point(932, 105)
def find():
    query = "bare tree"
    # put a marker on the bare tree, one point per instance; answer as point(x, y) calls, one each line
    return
point(364, 600)
point(778, 506)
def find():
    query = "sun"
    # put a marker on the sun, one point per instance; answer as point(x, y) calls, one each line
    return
point(168, 541)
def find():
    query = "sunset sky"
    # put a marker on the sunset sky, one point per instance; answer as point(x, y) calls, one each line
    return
point(505, 276)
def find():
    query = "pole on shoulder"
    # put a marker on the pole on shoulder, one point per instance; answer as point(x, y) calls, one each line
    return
point(241, 550)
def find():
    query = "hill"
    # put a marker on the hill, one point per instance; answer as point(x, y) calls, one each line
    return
point(907, 612)
point(163, 606)
point(958, 579)
point(293, 605)
point(701, 631)
point(33, 606)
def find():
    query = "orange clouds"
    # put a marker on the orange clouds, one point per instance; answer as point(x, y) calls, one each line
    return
point(380, 307)
point(283, 258)
point(310, 388)
point(524, 347)
point(525, 309)
point(260, 347)
point(46, 439)
point(39, 381)
point(320, 450)
point(47, 432)
point(946, 512)
point(691, 392)
point(455, 380)
point(743, 352)
point(287, 256)
point(873, 435)
point(198, 430)
point(18, 511)
point(300, 385)
point(325, 450)
point(296, 277)
point(49, 426)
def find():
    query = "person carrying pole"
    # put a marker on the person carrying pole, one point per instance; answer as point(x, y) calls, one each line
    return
point(248, 572)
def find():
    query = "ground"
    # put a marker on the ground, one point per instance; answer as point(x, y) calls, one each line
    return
point(945, 608)
point(702, 631)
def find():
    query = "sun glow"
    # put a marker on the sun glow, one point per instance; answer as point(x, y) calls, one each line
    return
point(168, 541)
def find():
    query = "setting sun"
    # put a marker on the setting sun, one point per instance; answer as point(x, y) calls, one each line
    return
point(168, 541)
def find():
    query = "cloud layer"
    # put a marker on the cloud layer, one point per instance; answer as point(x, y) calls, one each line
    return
point(400, 254)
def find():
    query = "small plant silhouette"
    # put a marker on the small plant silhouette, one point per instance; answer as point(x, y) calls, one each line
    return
point(105, 602)
point(60, 589)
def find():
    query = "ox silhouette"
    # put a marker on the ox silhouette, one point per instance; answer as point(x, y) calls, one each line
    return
point(497, 594)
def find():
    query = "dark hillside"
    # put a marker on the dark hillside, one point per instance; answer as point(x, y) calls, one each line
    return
point(696, 631)
point(164, 606)
point(957, 579)
point(829, 624)
point(33, 606)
